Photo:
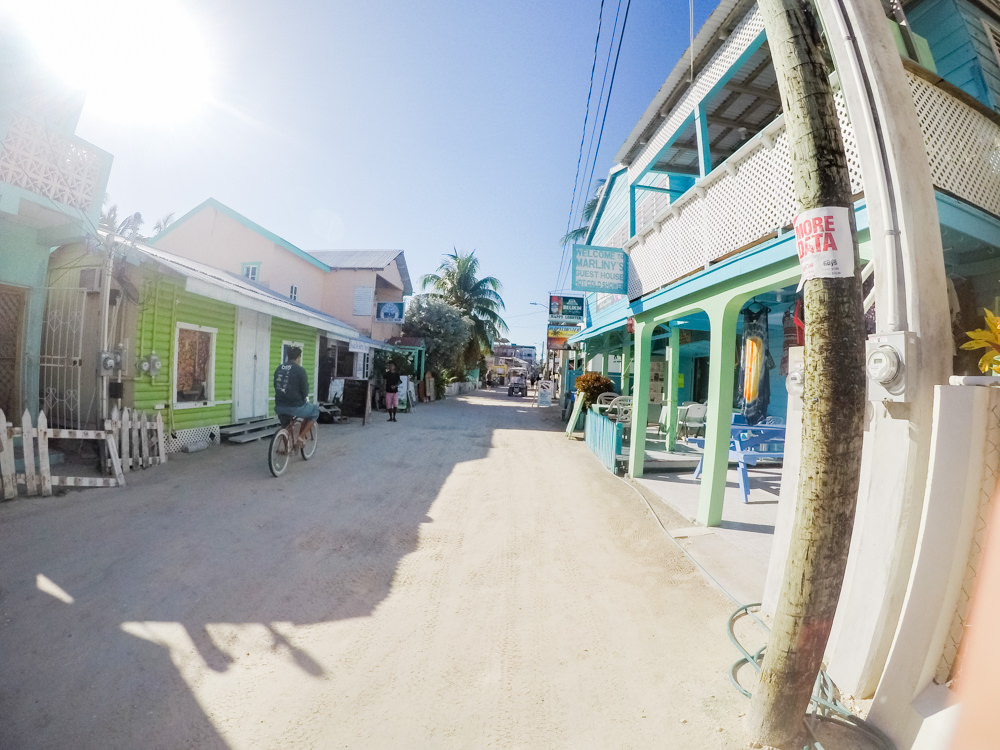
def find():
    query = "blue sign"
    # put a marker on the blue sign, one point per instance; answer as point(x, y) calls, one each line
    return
point(600, 269)
point(389, 312)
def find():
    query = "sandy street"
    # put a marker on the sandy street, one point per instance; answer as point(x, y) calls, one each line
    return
point(465, 578)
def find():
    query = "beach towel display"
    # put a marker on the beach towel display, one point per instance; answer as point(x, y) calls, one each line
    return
point(755, 364)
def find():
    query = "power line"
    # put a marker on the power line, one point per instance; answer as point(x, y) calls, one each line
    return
point(586, 115)
point(583, 135)
point(611, 86)
point(593, 132)
point(564, 273)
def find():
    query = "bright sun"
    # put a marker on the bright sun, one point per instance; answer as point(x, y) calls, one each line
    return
point(140, 62)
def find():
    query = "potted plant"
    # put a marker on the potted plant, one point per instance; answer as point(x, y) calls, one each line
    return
point(590, 385)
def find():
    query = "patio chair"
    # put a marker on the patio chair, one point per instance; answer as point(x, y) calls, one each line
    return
point(693, 420)
point(620, 411)
point(606, 398)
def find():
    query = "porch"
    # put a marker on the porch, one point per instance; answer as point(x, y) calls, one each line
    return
point(736, 552)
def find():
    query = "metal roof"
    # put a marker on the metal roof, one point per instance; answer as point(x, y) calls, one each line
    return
point(708, 39)
point(228, 287)
point(375, 260)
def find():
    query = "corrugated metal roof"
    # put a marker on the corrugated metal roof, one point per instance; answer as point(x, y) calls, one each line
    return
point(721, 20)
point(375, 260)
point(227, 287)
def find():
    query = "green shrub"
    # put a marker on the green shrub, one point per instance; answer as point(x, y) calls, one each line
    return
point(590, 385)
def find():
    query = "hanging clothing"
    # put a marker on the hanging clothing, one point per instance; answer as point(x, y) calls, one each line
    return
point(755, 365)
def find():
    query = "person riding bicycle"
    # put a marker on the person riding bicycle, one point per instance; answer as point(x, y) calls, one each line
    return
point(291, 388)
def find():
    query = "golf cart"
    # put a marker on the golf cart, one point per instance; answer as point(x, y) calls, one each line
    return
point(517, 384)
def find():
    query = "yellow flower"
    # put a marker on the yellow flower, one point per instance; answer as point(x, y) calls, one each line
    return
point(989, 339)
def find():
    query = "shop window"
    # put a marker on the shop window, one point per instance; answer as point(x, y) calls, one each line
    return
point(194, 357)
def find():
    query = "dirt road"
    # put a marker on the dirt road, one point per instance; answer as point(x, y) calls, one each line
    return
point(464, 578)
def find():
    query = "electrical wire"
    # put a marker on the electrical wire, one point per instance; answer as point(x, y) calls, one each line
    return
point(583, 135)
point(611, 87)
point(562, 277)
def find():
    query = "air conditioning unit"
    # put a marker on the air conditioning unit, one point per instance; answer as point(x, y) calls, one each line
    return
point(90, 279)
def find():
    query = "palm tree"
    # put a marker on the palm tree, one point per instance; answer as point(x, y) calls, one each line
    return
point(163, 223)
point(128, 227)
point(590, 208)
point(457, 282)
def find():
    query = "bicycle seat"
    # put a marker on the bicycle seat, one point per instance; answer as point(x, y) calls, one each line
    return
point(285, 419)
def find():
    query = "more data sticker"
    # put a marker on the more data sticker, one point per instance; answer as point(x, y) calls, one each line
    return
point(824, 243)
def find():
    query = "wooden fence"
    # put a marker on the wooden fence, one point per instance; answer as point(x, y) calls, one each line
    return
point(139, 438)
point(129, 441)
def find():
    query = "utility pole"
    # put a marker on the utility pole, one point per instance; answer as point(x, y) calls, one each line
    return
point(834, 389)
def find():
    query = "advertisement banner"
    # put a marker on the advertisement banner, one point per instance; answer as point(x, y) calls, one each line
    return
point(557, 335)
point(600, 269)
point(824, 243)
point(389, 312)
point(566, 309)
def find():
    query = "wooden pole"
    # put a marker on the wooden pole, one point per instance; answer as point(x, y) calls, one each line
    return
point(833, 398)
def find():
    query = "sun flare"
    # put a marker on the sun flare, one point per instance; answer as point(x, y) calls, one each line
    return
point(138, 62)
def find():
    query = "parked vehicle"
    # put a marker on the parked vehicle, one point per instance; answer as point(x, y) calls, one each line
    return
point(517, 383)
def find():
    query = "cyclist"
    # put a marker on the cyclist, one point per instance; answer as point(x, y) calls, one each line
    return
point(291, 387)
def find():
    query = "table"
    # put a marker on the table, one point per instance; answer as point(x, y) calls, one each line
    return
point(746, 446)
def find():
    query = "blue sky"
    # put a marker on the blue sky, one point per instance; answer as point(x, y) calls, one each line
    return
point(392, 124)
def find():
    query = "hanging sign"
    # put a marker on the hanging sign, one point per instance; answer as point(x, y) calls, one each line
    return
point(565, 309)
point(557, 336)
point(824, 243)
point(600, 269)
point(389, 312)
point(358, 347)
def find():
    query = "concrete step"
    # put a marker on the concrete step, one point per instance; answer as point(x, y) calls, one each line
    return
point(249, 430)
point(249, 437)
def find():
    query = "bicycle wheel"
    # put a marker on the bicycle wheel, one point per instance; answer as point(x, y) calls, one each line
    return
point(309, 446)
point(278, 452)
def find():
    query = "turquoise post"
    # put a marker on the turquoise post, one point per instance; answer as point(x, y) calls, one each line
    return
point(673, 374)
point(722, 356)
point(640, 397)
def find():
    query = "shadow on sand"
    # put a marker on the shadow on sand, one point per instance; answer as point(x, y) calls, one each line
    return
point(212, 538)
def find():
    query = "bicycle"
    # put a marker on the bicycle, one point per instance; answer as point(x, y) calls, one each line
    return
point(281, 448)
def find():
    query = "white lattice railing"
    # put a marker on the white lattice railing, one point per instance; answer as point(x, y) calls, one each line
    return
point(64, 169)
point(751, 195)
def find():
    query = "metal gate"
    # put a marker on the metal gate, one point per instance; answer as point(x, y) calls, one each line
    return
point(11, 311)
point(61, 362)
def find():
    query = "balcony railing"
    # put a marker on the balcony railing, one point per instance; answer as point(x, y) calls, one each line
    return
point(64, 169)
point(750, 195)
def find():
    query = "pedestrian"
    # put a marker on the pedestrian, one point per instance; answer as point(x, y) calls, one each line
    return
point(489, 380)
point(291, 389)
point(392, 381)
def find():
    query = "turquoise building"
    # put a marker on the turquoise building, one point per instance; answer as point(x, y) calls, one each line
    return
point(701, 201)
point(52, 185)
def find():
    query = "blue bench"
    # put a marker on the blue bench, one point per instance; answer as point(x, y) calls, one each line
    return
point(747, 445)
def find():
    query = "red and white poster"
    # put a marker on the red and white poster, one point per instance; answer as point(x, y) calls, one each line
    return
point(824, 243)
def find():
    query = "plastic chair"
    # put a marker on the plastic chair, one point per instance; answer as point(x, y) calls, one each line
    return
point(693, 421)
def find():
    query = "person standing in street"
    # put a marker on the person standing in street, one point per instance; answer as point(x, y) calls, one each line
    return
point(392, 381)
point(291, 391)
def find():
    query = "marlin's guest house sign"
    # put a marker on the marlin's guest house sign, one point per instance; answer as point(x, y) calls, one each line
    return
point(600, 269)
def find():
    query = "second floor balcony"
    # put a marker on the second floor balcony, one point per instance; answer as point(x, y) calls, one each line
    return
point(58, 178)
point(673, 221)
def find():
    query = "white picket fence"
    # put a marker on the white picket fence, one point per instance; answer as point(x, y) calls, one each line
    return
point(130, 441)
point(139, 437)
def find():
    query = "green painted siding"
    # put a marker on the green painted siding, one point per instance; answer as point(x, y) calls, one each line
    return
point(164, 305)
point(284, 330)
